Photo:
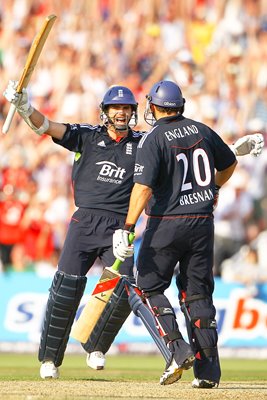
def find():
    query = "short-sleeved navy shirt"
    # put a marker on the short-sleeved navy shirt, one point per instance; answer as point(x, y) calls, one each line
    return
point(102, 173)
point(177, 159)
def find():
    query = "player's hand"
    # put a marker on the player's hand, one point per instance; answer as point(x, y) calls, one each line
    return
point(216, 197)
point(20, 100)
point(121, 247)
point(249, 144)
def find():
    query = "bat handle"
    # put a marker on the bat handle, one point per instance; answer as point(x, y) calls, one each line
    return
point(118, 262)
point(116, 265)
point(9, 118)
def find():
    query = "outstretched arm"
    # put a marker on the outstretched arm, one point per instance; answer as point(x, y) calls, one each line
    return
point(36, 121)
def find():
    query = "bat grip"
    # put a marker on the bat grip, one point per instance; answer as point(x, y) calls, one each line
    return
point(9, 118)
point(118, 262)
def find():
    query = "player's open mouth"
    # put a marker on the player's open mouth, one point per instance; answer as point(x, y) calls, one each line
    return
point(121, 120)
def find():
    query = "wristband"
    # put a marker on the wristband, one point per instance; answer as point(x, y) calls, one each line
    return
point(129, 227)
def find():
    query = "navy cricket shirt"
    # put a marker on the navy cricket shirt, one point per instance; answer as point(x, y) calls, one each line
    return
point(177, 159)
point(102, 172)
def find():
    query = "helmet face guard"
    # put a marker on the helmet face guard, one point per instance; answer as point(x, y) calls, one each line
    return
point(119, 95)
point(165, 94)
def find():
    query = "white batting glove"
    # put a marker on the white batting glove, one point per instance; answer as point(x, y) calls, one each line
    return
point(121, 247)
point(249, 144)
point(20, 100)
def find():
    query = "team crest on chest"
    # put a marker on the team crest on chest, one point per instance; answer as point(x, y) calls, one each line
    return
point(129, 149)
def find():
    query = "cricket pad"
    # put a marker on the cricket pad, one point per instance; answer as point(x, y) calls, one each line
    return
point(110, 321)
point(65, 294)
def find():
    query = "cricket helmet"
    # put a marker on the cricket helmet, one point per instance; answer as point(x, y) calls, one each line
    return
point(166, 94)
point(118, 95)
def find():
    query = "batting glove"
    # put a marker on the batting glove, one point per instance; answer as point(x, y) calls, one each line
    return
point(20, 100)
point(121, 247)
point(249, 144)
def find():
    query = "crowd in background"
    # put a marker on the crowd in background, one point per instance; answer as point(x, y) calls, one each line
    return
point(217, 53)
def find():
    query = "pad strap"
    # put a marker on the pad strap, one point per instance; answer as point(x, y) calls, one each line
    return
point(193, 298)
point(203, 323)
point(207, 352)
point(160, 311)
point(171, 336)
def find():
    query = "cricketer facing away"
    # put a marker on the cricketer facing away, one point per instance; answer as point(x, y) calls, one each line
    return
point(102, 179)
point(180, 166)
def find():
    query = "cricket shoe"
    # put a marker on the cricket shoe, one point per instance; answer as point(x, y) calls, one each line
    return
point(174, 372)
point(48, 370)
point(96, 360)
point(204, 384)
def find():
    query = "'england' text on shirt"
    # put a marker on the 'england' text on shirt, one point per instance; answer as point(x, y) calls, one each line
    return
point(181, 132)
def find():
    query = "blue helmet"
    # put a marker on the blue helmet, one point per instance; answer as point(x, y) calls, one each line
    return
point(163, 94)
point(118, 95)
point(166, 94)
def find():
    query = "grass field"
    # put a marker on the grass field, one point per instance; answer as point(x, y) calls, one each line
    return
point(125, 376)
point(123, 367)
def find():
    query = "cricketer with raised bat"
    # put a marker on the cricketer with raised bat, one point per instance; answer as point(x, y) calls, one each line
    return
point(102, 180)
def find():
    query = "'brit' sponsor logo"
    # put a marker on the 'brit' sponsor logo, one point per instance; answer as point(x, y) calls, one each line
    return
point(138, 169)
point(110, 172)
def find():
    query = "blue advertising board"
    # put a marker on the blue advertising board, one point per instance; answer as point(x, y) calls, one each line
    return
point(242, 319)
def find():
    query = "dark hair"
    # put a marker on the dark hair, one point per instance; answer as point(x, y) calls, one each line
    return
point(169, 110)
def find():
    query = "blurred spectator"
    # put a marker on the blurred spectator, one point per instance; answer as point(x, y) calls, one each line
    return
point(19, 262)
point(234, 210)
point(37, 231)
point(244, 267)
point(11, 230)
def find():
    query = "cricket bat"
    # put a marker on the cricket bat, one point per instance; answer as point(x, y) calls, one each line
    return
point(84, 325)
point(31, 61)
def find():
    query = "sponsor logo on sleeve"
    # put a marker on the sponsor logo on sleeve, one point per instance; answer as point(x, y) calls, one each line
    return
point(138, 169)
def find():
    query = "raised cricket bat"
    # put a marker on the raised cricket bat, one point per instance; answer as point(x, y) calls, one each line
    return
point(84, 325)
point(31, 61)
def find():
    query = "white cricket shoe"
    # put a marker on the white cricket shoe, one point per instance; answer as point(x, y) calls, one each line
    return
point(48, 370)
point(96, 360)
point(203, 384)
point(174, 372)
point(171, 375)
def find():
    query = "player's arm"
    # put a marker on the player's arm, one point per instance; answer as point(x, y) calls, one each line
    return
point(55, 129)
point(36, 121)
point(138, 201)
point(248, 144)
point(221, 177)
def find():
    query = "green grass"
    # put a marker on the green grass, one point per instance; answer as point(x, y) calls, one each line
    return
point(123, 368)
